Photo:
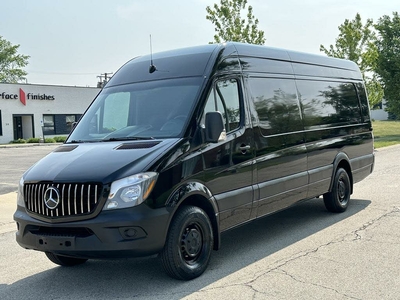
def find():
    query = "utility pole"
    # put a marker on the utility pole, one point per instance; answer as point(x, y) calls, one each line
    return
point(101, 83)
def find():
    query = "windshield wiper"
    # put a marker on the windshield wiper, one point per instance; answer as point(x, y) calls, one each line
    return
point(76, 142)
point(127, 138)
point(83, 141)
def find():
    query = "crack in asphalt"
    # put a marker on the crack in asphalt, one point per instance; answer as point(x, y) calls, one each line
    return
point(244, 284)
point(395, 210)
point(283, 262)
point(318, 285)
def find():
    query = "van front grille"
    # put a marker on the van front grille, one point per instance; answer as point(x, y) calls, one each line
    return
point(54, 200)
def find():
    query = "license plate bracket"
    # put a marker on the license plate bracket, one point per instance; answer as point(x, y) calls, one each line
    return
point(55, 242)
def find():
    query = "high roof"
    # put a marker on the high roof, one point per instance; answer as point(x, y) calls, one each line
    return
point(194, 61)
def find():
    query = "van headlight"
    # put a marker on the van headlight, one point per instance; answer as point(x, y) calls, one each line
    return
point(20, 196)
point(130, 191)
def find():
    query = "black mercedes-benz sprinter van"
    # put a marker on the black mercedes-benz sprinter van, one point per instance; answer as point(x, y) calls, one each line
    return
point(181, 147)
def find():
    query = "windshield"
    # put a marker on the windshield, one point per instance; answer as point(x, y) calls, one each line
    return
point(147, 110)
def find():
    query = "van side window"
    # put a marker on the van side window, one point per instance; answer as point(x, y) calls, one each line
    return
point(224, 97)
point(276, 103)
point(326, 103)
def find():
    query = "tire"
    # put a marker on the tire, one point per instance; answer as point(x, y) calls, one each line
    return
point(337, 200)
point(64, 260)
point(187, 250)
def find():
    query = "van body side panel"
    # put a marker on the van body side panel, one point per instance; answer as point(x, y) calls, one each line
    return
point(362, 166)
point(266, 67)
point(363, 163)
point(307, 69)
point(323, 146)
point(179, 176)
point(324, 66)
point(228, 174)
point(281, 155)
point(320, 180)
point(333, 123)
point(281, 174)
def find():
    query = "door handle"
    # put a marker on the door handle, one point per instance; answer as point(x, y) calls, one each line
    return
point(244, 148)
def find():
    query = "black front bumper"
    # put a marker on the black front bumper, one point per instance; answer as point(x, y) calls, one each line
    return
point(137, 231)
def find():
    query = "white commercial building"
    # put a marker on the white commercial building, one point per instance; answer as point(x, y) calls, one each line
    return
point(379, 112)
point(30, 110)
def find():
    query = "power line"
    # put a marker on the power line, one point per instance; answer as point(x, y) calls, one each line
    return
point(59, 73)
point(102, 82)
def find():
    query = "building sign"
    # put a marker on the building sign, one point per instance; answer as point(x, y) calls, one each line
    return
point(23, 97)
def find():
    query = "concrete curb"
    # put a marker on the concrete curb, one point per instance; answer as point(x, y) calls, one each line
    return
point(8, 205)
point(28, 145)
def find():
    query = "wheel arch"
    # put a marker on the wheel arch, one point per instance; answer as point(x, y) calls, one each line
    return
point(342, 161)
point(196, 194)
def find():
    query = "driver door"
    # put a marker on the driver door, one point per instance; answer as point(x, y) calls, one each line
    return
point(228, 164)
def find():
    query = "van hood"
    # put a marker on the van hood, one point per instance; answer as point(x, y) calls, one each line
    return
point(97, 162)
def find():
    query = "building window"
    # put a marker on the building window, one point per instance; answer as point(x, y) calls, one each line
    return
point(70, 120)
point(377, 106)
point(59, 124)
point(48, 124)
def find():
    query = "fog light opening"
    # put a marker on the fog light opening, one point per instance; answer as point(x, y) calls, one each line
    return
point(130, 232)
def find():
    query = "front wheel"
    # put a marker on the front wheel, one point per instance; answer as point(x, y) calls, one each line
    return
point(337, 200)
point(64, 260)
point(187, 251)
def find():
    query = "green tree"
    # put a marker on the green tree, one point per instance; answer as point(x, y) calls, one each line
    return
point(388, 61)
point(229, 25)
point(357, 42)
point(11, 63)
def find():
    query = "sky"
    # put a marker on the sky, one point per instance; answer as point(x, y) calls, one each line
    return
point(71, 42)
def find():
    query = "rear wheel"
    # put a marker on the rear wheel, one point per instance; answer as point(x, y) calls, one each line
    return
point(337, 200)
point(64, 260)
point(187, 251)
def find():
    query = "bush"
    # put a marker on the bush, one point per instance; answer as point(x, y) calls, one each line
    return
point(49, 140)
point(19, 141)
point(33, 140)
point(60, 139)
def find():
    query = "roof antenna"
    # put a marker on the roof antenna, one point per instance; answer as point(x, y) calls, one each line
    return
point(152, 67)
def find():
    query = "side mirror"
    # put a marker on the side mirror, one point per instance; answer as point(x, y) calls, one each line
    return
point(215, 129)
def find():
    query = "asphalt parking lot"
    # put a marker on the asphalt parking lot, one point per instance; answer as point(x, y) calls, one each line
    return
point(16, 159)
point(301, 253)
